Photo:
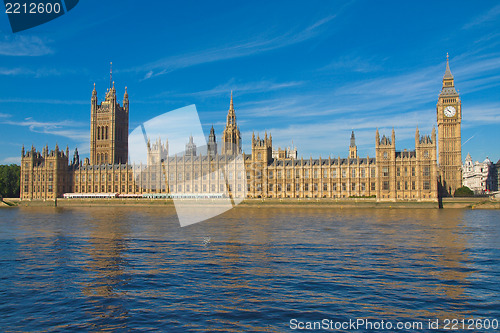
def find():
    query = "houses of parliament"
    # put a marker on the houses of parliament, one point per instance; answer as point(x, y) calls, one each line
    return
point(420, 174)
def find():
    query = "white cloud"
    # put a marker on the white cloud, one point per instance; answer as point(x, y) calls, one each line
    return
point(353, 63)
point(23, 45)
point(482, 114)
point(12, 160)
point(65, 128)
point(258, 45)
point(487, 17)
point(332, 137)
point(40, 72)
point(320, 121)
point(43, 101)
point(243, 88)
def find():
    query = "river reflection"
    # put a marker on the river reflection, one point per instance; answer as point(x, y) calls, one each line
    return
point(132, 268)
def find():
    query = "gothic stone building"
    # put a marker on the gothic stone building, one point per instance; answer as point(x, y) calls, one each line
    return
point(390, 175)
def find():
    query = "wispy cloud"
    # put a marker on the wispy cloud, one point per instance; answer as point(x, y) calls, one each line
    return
point(243, 49)
point(23, 45)
point(481, 114)
point(12, 160)
point(66, 128)
point(414, 86)
point(487, 17)
point(242, 88)
point(43, 101)
point(393, 94)
point(402, 100)
point(319, 138)
point(216, 124)
point(13, 71)
point(40, 72)
point(4, 115)
point(354, 64)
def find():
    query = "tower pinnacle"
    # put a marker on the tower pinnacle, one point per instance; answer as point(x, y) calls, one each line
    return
point(353, 150)
point(110, 74)
point(447, 73)
point(231, 137)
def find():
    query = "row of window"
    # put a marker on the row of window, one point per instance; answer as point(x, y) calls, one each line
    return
point(426, 185)
point(104, 189)
point(314, 187)
point(102, 158)
point(222, 187)
point(102, 132)
point(103, 177)
point(40, 177)
point(38, 188)
point(426, 171)
point(27, 165)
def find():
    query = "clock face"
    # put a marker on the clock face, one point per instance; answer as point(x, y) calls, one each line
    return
point(449, 111)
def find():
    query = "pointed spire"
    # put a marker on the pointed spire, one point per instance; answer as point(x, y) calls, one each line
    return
point(353, 140)
point(447, 73)
point(231, 107)
point(110, 73)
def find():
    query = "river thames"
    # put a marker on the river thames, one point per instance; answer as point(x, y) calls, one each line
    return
point(248, 270)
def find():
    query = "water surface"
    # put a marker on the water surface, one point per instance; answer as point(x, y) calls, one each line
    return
point(132, 268)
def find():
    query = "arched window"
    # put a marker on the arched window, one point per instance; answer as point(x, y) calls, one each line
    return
point(98, 156)
point(106, 157)
point(106, 132)
point(98, 133)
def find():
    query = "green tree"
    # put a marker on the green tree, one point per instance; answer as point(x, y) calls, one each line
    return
point(9, 181)
point(463, 191)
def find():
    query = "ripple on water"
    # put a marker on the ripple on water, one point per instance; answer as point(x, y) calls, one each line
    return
point(119, 269)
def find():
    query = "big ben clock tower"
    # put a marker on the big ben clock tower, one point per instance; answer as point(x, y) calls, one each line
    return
point(449, 118)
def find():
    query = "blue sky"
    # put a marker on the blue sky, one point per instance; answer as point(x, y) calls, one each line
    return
point(307, 71)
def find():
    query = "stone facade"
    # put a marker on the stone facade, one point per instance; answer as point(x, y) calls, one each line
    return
point(480, 177)
point(390, 175)
point(109, 129)
point(449, 119)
